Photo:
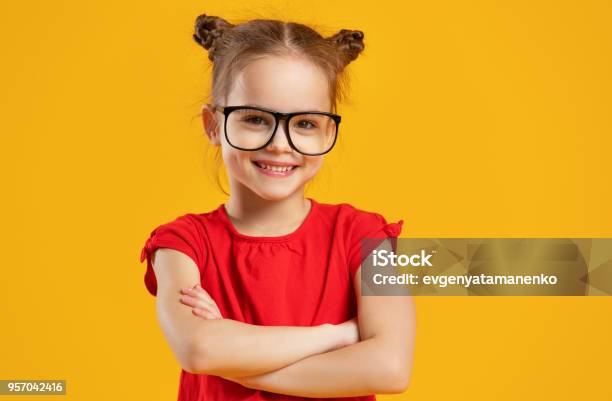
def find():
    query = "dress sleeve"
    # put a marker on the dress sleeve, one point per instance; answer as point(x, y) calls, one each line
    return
point(370, 225)
point(180, 234)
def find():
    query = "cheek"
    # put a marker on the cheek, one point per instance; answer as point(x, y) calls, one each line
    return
point(234, 160)
point(312, 166)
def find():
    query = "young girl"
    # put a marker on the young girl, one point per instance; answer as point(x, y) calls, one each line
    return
point(260, 299)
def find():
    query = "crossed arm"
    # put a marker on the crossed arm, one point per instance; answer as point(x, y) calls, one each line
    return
point(350, 359)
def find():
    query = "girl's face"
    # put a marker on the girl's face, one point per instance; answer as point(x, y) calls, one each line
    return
point(282, 84)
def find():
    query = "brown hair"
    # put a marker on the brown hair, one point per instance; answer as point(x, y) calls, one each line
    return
point(231, 47)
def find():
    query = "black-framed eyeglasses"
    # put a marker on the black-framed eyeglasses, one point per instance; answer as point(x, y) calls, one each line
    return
point(249, 128)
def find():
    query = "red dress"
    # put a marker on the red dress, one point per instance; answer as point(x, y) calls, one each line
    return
point(304, 278)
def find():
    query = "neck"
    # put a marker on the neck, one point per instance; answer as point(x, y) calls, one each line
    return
point(256, 216)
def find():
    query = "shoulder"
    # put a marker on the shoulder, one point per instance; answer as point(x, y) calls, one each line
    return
point(342, 211)
point(187, 221)
point(186, 233)
point(356, 222)
point(192, 223)
point(357, 226)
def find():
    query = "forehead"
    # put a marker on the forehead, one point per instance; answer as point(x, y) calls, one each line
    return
point(283, 84)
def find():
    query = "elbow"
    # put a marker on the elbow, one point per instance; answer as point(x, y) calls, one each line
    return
point(195, 358)
point(202, 354)
point(398, 382)
point(191, 366)
point(190, 361)
point(396, 375)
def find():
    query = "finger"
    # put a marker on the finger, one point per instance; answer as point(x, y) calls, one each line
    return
point(216, 315)
point(200, 292)
point(201, 313)
point(204, 308)
point(198, 289)
point(212, 308)
point(205, 313)
point(198, 295)
point(191, 302)
point(208, 299)
point(194, 301)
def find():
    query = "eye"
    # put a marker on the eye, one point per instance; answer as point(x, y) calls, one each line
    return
point(255, 120)
point(306, 124)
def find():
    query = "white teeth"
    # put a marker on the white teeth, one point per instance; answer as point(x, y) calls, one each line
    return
point(278, 169)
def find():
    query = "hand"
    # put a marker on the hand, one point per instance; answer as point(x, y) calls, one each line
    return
point(202, 303)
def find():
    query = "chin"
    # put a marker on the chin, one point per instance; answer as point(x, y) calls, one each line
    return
point(271, 194)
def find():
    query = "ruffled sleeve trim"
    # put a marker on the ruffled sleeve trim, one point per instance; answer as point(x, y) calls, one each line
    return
point(394, 229)
point(370, 226)
point(181, 235)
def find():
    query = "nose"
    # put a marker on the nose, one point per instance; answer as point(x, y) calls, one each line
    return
point(279, 142)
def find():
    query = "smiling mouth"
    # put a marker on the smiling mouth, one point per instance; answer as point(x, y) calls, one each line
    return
point(275, 169)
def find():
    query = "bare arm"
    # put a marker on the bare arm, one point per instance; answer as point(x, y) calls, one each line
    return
point(380, 363)
point(224, 346)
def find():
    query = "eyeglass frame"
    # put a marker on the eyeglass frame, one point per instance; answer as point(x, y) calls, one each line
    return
point(278, 116)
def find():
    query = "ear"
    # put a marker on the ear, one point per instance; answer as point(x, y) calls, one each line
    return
point(211, 124)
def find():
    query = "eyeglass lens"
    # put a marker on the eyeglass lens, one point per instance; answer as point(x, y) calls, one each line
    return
point(310, 133)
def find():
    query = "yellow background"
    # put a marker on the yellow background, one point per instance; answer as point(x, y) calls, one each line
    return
point(470, 118)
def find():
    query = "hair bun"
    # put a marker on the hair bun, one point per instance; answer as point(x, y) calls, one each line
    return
point(209, 28)
point(349, 42)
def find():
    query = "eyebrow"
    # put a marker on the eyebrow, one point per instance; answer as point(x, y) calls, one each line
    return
point(267, 108)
